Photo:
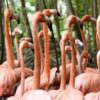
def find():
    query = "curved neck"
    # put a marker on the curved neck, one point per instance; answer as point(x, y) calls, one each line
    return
point(73, 66)
point(84, 40)
point(37, 55)
point(22, 70)
point(63, 72)
point(40, 35)
point(9, 49)
point(98, 32)
point(47, 50)
point(84, 64)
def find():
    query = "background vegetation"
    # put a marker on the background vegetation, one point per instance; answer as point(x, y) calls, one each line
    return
point(26, 8)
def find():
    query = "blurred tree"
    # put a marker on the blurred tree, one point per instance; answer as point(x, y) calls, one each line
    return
point(24, 11)
point(1, 32)
point(76, 7)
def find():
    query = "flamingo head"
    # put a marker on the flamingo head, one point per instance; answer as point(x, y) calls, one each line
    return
point(86, 18)
point(71, 20)
point(40, 17)
point(26, 44)
point(49, 12)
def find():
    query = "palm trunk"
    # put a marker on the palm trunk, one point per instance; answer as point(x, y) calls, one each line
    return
point(1, 33)
point(27, 24)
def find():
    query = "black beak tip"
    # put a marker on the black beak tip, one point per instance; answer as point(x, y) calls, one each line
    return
point(58, 14)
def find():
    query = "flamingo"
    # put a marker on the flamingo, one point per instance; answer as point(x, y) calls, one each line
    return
point(69, 92)
point(84, 19)
point(7, 79)
point(54, 93)
point(17, 71)
point(85, 55)
point(94, 95)
point(37, 93)
point(36, 78)
point(28, 71)
point(24, 44)
point(89, 18)
point(93, 20)
point(55, 74)
point(55, 78)
point(82, 81)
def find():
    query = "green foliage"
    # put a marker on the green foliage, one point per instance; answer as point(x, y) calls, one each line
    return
point(81, 7)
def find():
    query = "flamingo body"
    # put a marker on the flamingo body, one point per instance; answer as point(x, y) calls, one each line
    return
point(36, 95)
point(88, 82)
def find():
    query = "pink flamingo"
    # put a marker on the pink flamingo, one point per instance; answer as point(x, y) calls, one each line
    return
point(36, 78)
point(94, 95)
point(7, 74)
point(69, 92)
point(54, 76)
point(82, 81)
point(36, 93)
point(24, 44)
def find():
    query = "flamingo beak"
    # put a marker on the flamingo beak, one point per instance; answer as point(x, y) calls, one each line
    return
point(58, 14)
point(93, 20)
point(55, 12)
point(48, 21)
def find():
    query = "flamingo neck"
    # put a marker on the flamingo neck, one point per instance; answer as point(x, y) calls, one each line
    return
point(73, 66)
point(82, 64)
point(85, 60)
point(98, 24)
point(22, 70)
point(47, 50)
point(63, 72)
point(40, 35)
point(98, 32)
point(37, 59)
point(84, 40)
point(9, 49)
point(98, 60)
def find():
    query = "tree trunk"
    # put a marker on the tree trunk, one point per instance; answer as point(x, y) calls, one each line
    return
point(1, 33)
point(95, 8)
point(69, 7)
point(24, 11)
